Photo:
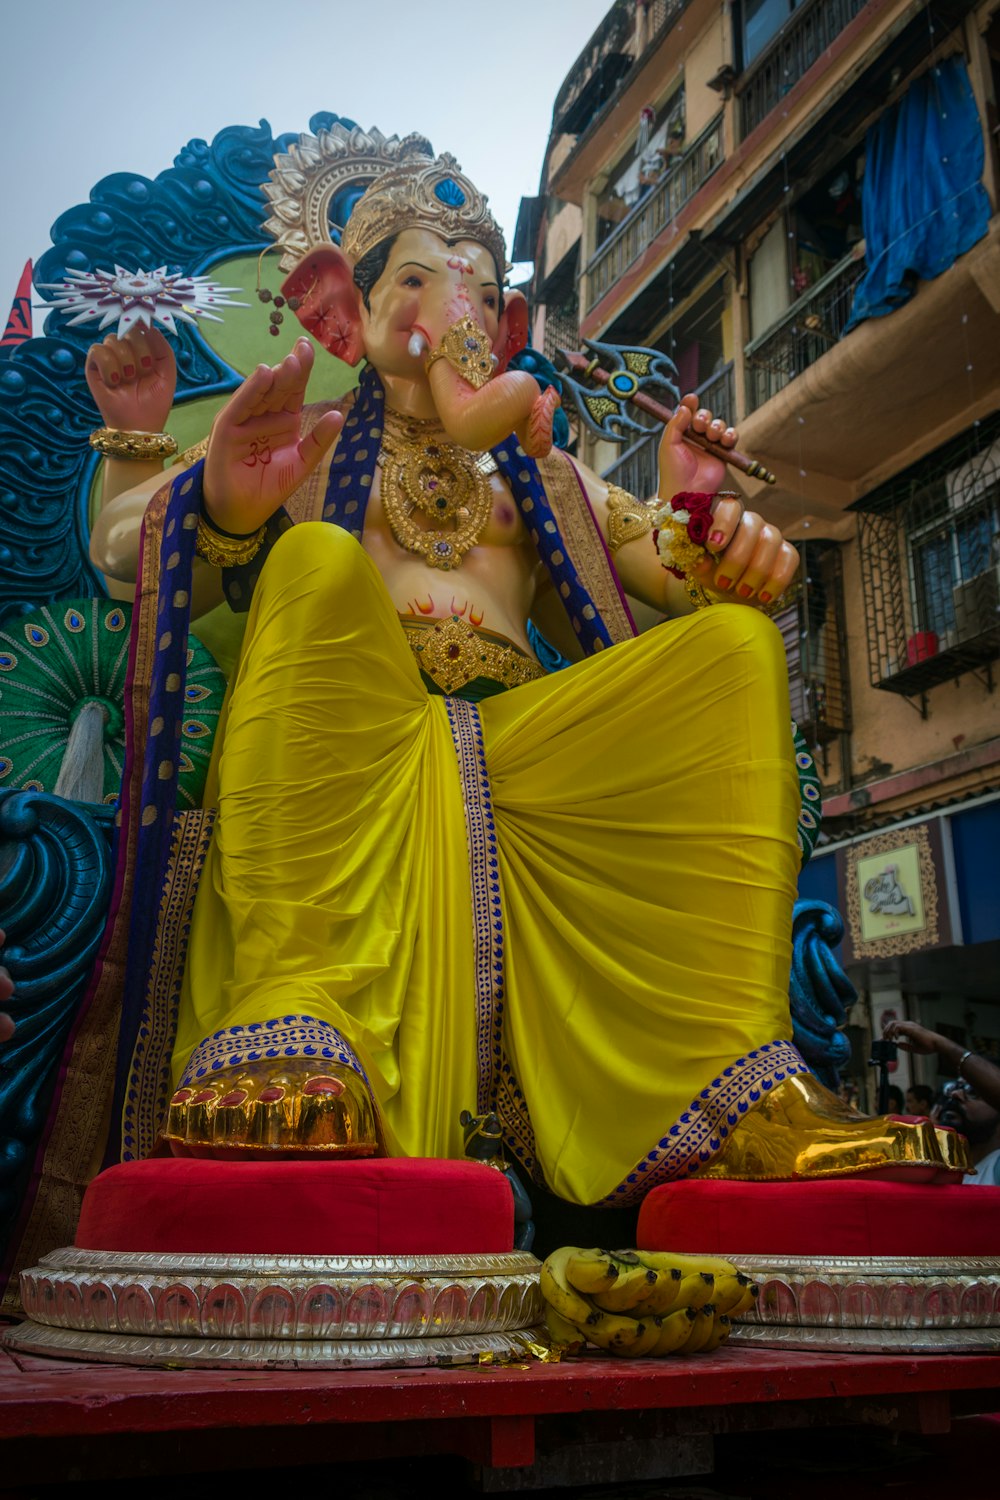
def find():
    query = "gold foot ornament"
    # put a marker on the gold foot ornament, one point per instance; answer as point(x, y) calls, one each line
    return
point(800, 1131)
point(294, 1108)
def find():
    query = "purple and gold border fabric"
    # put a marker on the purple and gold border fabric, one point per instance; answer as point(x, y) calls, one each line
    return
point(487, 907)
point(283, 1037)
point(700, 1133)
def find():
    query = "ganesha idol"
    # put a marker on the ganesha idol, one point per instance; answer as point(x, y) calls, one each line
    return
point(478, 843)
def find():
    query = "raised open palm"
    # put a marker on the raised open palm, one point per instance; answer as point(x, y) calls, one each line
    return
point(257, 455)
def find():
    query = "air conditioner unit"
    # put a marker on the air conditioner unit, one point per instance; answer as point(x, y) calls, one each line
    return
point(977, 604)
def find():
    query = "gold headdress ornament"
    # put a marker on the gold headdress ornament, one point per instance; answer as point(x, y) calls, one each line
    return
point(416, 196)
point(405, 187)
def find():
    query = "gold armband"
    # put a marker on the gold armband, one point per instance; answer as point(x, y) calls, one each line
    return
point(139, 446)
point(221, 551)
point(468, 350)
point(191, 455)
point(628, 518)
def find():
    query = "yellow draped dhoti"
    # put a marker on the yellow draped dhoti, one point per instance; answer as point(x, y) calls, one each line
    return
point(642, 808)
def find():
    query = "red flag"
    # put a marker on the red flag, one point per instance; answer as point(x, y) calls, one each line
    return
point(18, 329)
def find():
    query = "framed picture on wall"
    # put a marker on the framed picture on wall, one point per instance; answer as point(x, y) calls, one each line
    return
point(894, 893)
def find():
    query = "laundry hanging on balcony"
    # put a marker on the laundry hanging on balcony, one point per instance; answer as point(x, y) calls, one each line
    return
point(923, 203)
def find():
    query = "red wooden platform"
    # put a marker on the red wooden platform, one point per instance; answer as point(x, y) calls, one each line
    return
point(60, 1420)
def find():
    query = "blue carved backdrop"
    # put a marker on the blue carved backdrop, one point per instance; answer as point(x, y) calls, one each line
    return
point(205, 208)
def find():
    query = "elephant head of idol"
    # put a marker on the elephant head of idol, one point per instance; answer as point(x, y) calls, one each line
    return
point(416, 288)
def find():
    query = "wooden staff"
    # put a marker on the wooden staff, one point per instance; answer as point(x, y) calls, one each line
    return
point(585, 368)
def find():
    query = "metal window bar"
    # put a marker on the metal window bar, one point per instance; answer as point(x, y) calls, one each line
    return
point(654, 212)
point(815, 638)
point(929, 546)
point(811, 326)
point(637, 470)
point(562, 327)
point(801, 41)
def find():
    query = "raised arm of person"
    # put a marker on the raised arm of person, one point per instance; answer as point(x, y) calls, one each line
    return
point(978, 1072)
point(748, 560)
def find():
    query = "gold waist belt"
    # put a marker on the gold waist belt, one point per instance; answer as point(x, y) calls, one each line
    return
point(454, 653)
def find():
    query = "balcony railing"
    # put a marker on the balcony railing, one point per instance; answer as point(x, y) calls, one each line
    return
point(654, 212)
point(805, 332)
point(621, 39)
point(562, 328)
point(815, 640)
point(592, 76)
point(637, 470)
point(803, 38)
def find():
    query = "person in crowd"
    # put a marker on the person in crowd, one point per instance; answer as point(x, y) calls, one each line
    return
point(919, 1099)
point(894, 1099)
point(970, 1104)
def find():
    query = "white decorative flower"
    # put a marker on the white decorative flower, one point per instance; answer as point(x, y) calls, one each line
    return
point(133, 297)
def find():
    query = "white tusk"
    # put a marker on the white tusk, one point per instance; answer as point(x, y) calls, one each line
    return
point(418, 345)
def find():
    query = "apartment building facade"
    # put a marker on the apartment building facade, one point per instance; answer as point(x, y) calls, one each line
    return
point(796, 200)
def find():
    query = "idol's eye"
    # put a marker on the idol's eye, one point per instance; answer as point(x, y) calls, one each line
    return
point(490, 302)
point(412, 280)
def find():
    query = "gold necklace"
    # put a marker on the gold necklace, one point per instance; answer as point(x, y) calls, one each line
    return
point(422, 472)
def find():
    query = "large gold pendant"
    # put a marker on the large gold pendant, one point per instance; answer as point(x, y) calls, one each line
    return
point(424, 474)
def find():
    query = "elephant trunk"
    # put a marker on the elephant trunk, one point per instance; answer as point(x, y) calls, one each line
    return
point(478, 420)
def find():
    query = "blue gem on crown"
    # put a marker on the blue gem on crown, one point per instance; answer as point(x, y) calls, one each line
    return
point(447, 191)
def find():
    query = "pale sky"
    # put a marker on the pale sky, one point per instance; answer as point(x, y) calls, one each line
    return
point(113, 86)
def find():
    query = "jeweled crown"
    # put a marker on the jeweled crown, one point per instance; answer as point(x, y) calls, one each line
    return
point(423, 195)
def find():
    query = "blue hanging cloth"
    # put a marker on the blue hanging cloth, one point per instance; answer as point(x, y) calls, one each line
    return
point(923, 203)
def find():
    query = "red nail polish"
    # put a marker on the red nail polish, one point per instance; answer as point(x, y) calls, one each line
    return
point(744, 591)
point(717, 538)
point(115, 377)
point(129, 371)
point(146, 361)
point(724, 583)
point(764, 597)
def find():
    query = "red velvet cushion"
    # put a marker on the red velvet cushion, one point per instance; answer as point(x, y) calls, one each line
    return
point(843, 1217)
point(370, 1207)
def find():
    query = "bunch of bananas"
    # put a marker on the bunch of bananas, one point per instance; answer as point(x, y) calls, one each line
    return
point(642, 1302)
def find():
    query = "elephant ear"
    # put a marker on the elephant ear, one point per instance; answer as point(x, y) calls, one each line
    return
point(512, 336)
point(323, 283)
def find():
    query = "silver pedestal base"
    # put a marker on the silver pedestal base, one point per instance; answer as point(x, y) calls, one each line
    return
point(243, 1311)
point(876, 1305)
point(268, 1354)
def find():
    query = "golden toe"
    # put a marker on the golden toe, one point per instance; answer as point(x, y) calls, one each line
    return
point(801, 1131)
point(259, 1111)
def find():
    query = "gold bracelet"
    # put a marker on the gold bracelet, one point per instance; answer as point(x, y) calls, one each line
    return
point(696, 593)
point(138, 446)
point(227, 551)
point(468, 350)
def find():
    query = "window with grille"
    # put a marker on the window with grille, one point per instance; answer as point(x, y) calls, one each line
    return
point(930, 564)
